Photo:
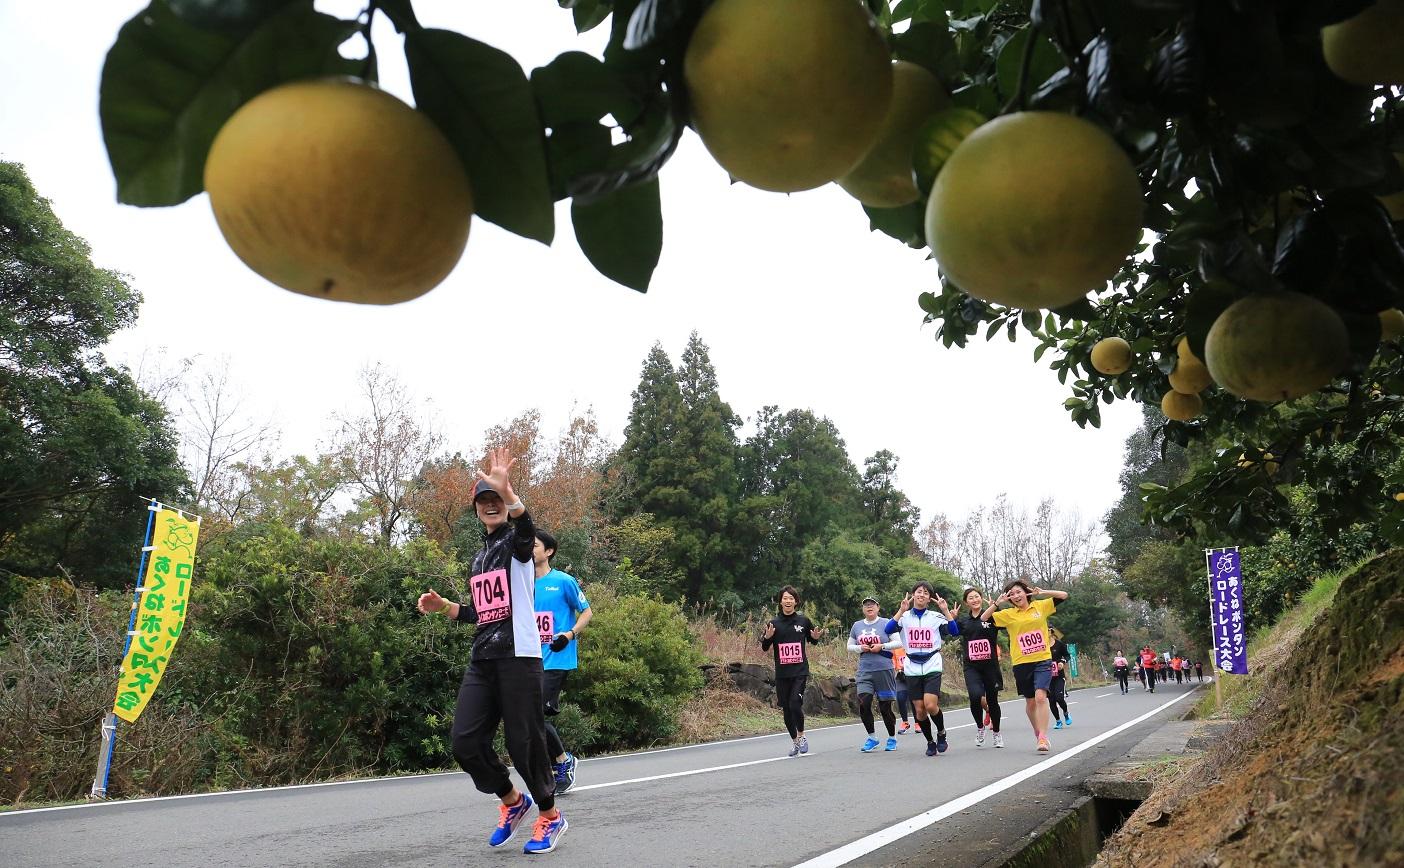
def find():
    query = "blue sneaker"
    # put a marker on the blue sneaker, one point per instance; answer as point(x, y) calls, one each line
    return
point(941, 742)
point(931, 748)
point(891, 743)
point(546, 834)
point(1067, 720)
point(565, 774)
point(870, 745)
point(1058, 724)
point(511, 819)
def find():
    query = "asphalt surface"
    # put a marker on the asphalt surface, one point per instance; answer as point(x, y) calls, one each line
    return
point(731, 803)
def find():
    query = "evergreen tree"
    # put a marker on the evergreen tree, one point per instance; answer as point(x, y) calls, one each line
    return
point(892, 519)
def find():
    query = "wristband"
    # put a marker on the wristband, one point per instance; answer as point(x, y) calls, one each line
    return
point(517, 505)
point(448, 610)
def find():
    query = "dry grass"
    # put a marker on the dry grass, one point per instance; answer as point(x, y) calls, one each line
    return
point(724, 644)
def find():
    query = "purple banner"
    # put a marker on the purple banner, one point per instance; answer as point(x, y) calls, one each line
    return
point(1226, 611)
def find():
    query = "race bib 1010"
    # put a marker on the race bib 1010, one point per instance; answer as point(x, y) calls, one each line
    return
point(921, 638)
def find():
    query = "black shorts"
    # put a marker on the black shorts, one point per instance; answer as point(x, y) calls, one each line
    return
point(1031, 677)
point(924, 685)
point(982, 678)
point(552, 680)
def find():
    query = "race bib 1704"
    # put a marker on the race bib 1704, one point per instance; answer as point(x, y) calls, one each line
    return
point(978, 649)
point(791, 652)
point(546, 626)
point(1032, 642)
point(921, 638)
point(492, 596)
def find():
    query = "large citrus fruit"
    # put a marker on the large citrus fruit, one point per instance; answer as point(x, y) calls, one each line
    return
point(1391, 323)
point(1111, 356)
point(1034, 209)
point(788, 94)
point(883, 179)
point(938, 138)
point(1369, 48)
point(1190, 375)
point(336, 189)
point(1180, 407)
point(1275, 347)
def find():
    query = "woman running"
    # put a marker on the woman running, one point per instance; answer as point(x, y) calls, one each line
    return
point(899, 657)
point(1123, 672)
point(922, 631)
point(1029, 645)
point(1148, 667)
point(1058, 695)
point(790, 633)
point(875, 676)
point(977, 637)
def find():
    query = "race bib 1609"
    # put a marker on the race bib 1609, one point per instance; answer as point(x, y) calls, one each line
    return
point(978, 649)
point(492, 596)
point(1032, 642)
point(791, 652)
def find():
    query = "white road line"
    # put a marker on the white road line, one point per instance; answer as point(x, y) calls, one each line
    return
point(863, 846)
point(1100, 695)
point(682, 774)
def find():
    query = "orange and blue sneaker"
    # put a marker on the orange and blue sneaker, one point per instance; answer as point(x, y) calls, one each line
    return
point(546, 834)
point(511, 818)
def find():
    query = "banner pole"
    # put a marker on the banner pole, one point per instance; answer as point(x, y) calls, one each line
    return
point(1213, 639)
point(109, 720)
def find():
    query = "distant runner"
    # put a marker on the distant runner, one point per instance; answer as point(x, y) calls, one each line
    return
point(922, 632)
point(1148, 667)
point(980, 652)
point(1123, 672)
point(1058, 695)
point(899, 656)
point(790, 634)
point(1199, 670)
point(1029, 645)
point(562, 612)
point(875, 677)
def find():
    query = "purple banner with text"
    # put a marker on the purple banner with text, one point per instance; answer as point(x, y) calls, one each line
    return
point(1226, 610)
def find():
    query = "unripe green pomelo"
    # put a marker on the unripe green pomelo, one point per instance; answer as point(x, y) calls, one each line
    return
point(883, 178)
point(1275, 347)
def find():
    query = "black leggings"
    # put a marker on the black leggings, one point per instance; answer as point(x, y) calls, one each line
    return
point(1123, 678)
point(902, 701)
point(982, 682)
point(1058, 698)
point(506, 691)
point(865, 713)
point(791, 694)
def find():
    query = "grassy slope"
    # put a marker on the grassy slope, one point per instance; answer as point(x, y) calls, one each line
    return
point(1311, 772)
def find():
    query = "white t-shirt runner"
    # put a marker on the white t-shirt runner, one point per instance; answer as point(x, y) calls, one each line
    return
point(922, 630)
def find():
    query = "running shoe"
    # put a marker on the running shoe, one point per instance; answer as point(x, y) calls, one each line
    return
point(987, 719)
point(941, 742)
point(999, 740)
point(511, 818)
point(904, 728)
point(794, 749)
point(1057, 724)
point(546, 834)
point(1043, 745)
point(803, 745)
point(1067, 720)
point(980, 737)
point(870, 745)
point(565, 774)
point(931, 748)
point(891, 743)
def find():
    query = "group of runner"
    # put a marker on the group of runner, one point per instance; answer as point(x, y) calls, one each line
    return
point(902, 654)
point(1151, 667)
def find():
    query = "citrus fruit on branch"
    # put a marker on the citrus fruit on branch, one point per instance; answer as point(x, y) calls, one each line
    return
point(335, 189)
point(884, 179)
point(1274, 347)
point(1111, 356)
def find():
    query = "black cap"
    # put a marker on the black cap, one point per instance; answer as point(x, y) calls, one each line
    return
point(483, 488)
point(870, 599)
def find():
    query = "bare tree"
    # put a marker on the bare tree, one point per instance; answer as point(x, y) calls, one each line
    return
point(1000, 542)
point(217, 435)
point(383, 450)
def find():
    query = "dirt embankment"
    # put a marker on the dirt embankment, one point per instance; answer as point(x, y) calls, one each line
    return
point(1313, 772)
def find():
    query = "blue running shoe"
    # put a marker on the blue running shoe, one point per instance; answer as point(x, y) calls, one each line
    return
point(891, 743)
point(565, 774)
point(803, 745)
point(870, 745)
point(511, 818)
point(931, 748)
point(1058, 724)
point(1067, 720)
point(546, 834)
point(941, 742)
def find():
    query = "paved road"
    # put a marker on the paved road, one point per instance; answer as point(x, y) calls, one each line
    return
point(730, 803)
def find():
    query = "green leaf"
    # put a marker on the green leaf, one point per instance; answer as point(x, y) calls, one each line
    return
point(589, 14)
point(168, 86)
point(578, 87)
point(1042, 65)
point(1205, 304)
point(1081, 309)
point(622, 233)
point(482, 101)
point(906, 223)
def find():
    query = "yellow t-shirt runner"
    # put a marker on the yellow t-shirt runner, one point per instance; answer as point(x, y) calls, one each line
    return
point(1028, 631)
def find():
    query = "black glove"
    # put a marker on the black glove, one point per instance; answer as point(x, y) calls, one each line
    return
point(559, 643)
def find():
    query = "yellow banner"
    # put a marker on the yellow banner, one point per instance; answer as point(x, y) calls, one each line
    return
point(160, 612)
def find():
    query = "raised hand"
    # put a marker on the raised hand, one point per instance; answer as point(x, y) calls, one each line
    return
point(431, 602)
point(769, 629)
point(500, 463)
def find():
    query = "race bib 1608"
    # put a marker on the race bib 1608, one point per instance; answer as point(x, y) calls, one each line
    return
point(1032, 642)
point(978, 649)
point(492, 596)
point(791, 652)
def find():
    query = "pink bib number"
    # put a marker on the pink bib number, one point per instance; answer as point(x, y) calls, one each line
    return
point(978, 649)
point(492, 596)
point(1032, 642)
point(791, 652)
point(921, 639)
point(546, 626)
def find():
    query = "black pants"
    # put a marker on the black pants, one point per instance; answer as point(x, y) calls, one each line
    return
point(865, 714)
point(1058, 697)
point(1122, 678)
point(506, 691)
point(552, 680)
point(982, 681)
point(791, 694)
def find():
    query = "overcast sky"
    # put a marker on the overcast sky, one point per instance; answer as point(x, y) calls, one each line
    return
point(801, 305)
